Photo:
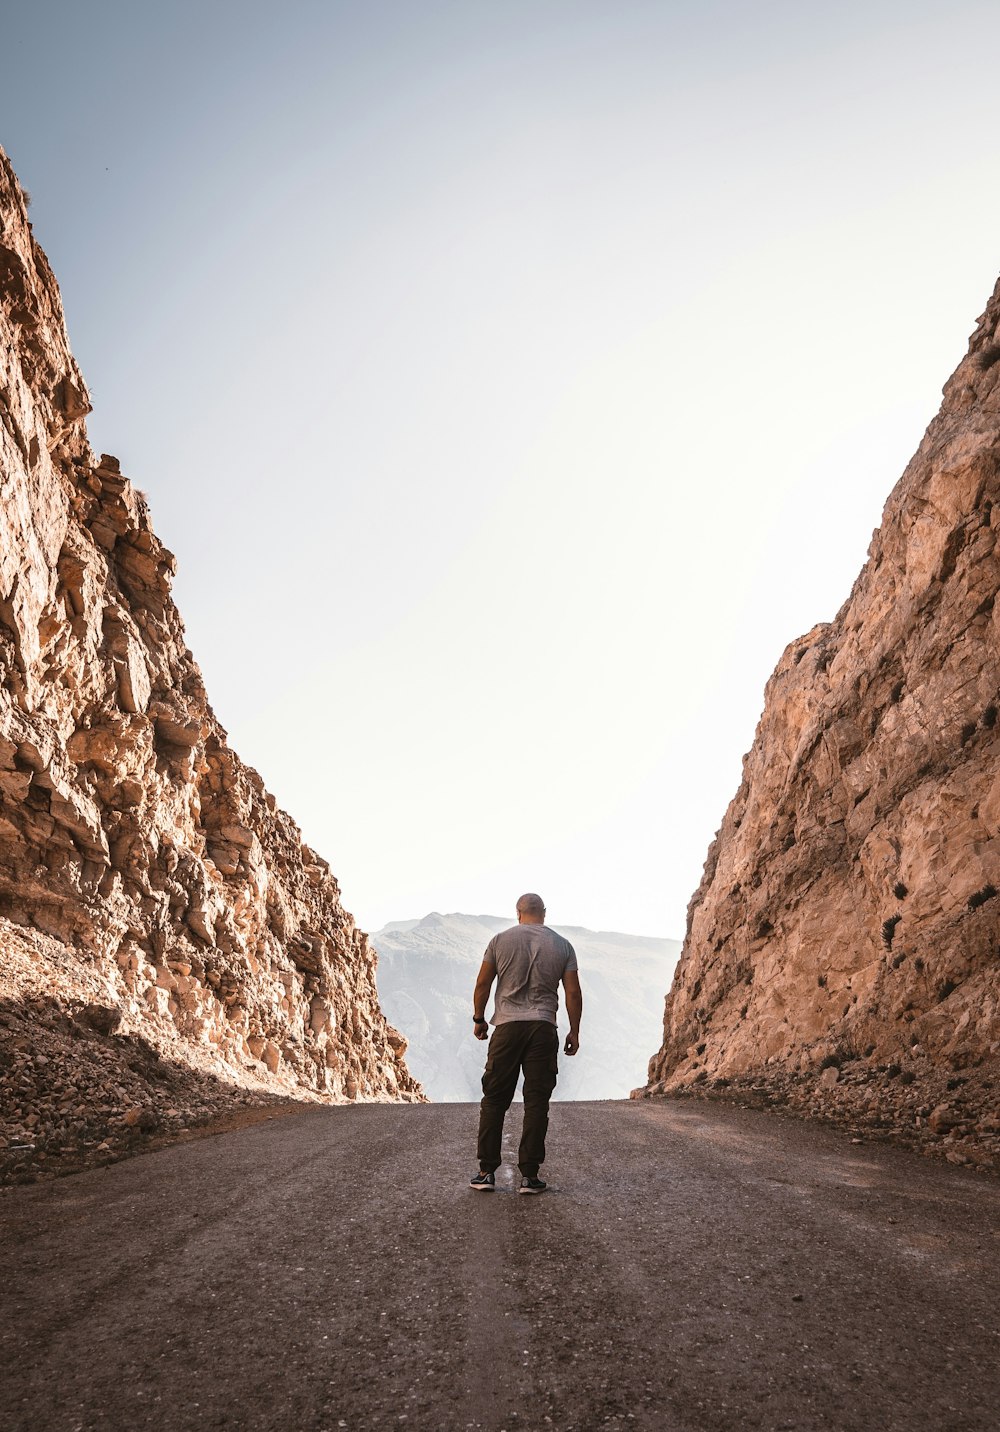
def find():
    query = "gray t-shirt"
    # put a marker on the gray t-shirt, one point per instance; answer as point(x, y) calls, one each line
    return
point(530, 960)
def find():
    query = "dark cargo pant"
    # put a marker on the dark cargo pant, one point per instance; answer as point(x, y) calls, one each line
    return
point(531, 1045)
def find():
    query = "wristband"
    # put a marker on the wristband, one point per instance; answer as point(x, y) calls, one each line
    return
point(479, 1019)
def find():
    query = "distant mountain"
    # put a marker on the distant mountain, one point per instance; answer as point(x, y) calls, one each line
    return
point(426, 972)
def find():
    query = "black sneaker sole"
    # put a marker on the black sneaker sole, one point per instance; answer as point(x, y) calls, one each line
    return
point(533, 1190)
point(483, 1187)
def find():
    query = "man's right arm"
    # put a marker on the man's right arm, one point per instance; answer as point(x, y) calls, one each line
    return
point(574, 1009)
point(484, 983)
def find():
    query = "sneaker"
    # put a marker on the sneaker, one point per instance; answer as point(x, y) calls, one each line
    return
point(483, 1180)
point(532, 1185)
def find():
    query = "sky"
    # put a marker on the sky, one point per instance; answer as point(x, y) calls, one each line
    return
point(512, 382)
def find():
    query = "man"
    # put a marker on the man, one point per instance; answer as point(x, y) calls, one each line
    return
point(527, 961)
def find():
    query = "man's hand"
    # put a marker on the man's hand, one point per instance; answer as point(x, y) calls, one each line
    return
point(481, 1031)
point(572, 1043)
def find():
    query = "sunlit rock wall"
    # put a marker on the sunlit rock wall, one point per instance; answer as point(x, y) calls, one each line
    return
point(133, 840)
point(849, 908)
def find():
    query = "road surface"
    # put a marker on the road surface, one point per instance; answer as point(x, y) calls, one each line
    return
point(693, 1268)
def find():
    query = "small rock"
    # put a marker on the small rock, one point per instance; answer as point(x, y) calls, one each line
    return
point(200, 922)
point(943, 1118)
point(102, 1018)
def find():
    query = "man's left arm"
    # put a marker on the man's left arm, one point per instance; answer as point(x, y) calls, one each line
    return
point(484, 983)
point(574, 1009)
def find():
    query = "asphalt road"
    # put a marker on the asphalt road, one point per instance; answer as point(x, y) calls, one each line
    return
point(692, 1267)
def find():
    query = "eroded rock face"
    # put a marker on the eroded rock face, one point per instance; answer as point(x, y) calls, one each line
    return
point(133, 840)
point(848, 909)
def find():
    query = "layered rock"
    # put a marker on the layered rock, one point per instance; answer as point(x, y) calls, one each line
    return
point(848, 916)
point(132, 838)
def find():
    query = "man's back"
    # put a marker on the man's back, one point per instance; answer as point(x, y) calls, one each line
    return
point(530, 961)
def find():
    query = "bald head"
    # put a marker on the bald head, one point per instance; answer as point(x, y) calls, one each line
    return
point(531, 910)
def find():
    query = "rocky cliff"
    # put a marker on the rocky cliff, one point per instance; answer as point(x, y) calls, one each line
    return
point(144, 870)
point(847, 925)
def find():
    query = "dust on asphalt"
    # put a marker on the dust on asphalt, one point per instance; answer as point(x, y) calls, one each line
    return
point(698, 1268)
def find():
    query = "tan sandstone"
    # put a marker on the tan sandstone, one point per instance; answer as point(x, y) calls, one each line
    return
point(848, 916)
point(144, 869)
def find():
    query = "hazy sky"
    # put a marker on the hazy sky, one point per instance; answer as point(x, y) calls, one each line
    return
point(512, 381)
